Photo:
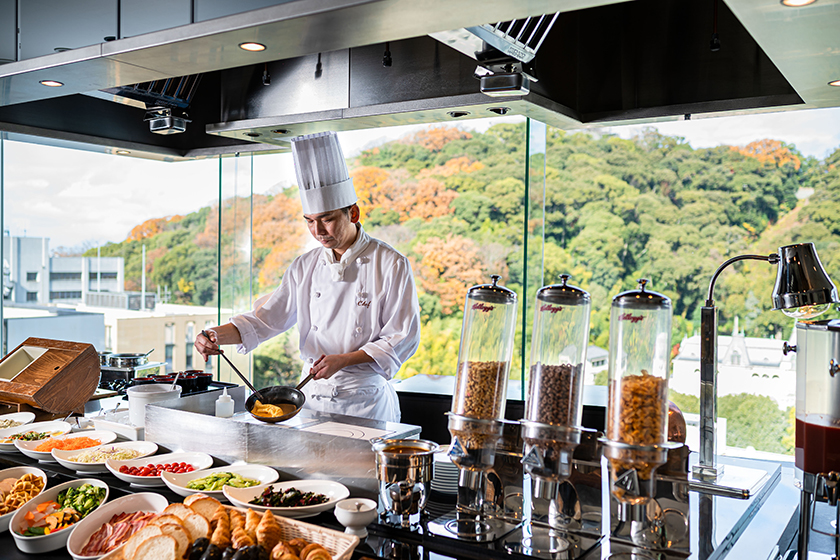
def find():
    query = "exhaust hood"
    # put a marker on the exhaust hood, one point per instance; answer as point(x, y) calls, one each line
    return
point(598, 63)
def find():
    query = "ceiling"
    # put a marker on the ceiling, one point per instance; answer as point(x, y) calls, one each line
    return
point(603, 63)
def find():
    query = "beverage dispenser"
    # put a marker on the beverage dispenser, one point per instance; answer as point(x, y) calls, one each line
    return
point(817, 453)
point(478, 405)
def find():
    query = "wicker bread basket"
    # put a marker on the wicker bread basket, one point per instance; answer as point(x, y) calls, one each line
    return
point(339, 544)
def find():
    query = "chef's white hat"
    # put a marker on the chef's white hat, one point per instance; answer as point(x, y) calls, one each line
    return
point(323, 180)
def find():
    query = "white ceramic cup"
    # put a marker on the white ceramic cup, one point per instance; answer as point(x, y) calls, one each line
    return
point(141, 395)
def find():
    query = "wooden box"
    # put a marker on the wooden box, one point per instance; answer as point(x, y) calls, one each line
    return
point(55, 376)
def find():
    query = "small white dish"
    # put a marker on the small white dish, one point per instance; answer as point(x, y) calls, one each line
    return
point(67, 458)
point(17, 472)
point(333, 490)
point(58, 539)
point(55, 427)
point(199, 461)
point(356, 514)
point(84, 529)
point(22, 417)
point(178, 482)
point(28, 448)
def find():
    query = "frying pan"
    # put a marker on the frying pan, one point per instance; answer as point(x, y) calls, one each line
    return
point(276, 395)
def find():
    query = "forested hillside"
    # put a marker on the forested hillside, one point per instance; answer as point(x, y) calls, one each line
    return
point(615, 210)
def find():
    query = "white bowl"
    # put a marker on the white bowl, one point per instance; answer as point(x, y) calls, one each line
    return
point(54, 426)
point(22, 417)
point(178, 482)
point(84, 529)
point(17, 472)
point(28, 447)
point(333, 490)
point(356, 514)
point(53, 541)
point(198, 460)
point(66, 458)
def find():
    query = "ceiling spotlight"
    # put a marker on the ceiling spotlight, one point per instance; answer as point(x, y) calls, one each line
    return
point(123, 152)
point(51, 83)
point(280, 131)
point(458, 114)
point(252, 47)
point(835, 83)
point(499, 110)
point(252, 134)
point(797, 3)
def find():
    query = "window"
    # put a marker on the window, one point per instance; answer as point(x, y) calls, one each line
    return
point(735, 359)
point(54, 276)
point(188, 350)
point(169, 346)
point(103, 276)
point(31, 296)
point(31, 276)
point(65, 295)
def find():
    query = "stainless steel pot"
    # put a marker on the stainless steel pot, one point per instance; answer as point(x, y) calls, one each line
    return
point(127, 360)
point(103, 358)
point(404, 460)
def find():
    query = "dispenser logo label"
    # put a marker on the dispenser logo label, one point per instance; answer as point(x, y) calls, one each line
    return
point(456, 449)
point(630, 317)
point(483, 307)
point(629, 482)
point(551, 308)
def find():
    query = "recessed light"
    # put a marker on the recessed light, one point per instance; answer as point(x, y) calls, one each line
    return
point(280, 131)
point(797, 3)
point(253, 47)
point(458, 114)
point(835, 83)
point(123, 152)
point(51, 83)
point(253, 134)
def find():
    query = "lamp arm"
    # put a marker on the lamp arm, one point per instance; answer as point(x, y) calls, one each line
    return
point(772, 259)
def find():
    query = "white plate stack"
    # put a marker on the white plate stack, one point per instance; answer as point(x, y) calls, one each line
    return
point(445, 480)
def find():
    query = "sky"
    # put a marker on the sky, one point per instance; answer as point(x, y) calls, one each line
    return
point(83, 199)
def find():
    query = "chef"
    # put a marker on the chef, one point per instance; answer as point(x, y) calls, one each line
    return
point(353, 299)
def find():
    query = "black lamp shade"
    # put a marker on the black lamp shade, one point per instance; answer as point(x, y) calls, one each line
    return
point(801, 279)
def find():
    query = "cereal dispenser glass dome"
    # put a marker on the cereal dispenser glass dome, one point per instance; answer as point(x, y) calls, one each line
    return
point(484, 357)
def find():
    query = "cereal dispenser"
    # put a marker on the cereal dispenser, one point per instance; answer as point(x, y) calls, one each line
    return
point(551, 429)
point(478, 405)
point(636, 443)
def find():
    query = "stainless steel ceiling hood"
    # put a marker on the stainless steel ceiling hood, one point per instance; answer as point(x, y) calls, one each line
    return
point(602, 63)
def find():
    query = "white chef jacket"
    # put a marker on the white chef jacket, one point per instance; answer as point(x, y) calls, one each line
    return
point(373, 308)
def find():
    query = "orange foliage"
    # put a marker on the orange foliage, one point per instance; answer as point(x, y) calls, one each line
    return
point(374, 188)
point(435, 139)
point(152, 227)
point(428, 199)
point(448, 267)
point(278, 226)
point(770, 151)
point(452, 167)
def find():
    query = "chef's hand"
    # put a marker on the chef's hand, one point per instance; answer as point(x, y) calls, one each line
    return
point(327, 366)
point(207, 346)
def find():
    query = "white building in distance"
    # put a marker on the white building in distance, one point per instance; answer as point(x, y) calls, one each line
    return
point(756, 366)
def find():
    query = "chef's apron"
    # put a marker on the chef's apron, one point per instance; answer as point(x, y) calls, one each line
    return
point(375, 398)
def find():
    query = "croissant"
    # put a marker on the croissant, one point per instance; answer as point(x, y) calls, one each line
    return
point(319, 554)
point(297, 545)
point(284, 556)
point(220, 513)
point(237, 520)
point(282, 548)
point(309, 550)
point(268, 531)
point(221, 534)
point(252, 520)
point(239, 538)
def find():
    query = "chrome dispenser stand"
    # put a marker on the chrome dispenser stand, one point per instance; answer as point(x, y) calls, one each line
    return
point(823, 487)
point(658, 522)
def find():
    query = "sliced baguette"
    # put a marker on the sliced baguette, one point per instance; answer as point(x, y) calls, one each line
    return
point(146, 532)
point(197, 526)
point(181, 536)
point(166, 518)
point(203, 505)
point(159, 547)
point(178, 510)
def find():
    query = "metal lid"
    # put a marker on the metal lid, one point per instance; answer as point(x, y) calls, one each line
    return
point(641, 298)
point(563, 293)
point(492, 293)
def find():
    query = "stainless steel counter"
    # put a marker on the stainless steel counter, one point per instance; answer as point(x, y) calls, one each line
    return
point(310, 445)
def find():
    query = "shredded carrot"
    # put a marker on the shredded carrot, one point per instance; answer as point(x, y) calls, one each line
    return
point(69, 444)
